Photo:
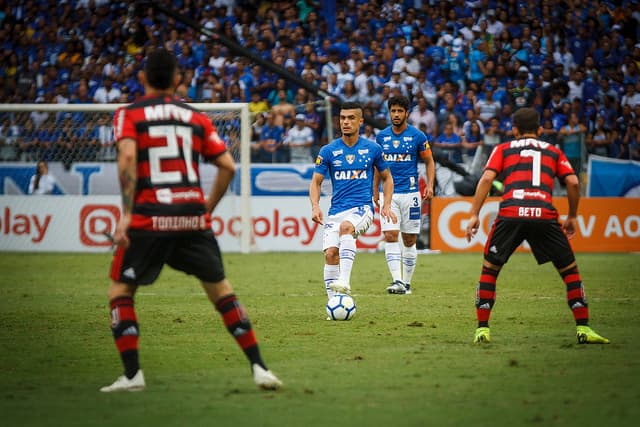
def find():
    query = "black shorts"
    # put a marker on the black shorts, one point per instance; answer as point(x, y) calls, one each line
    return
point(196, 253)
point(546, 239)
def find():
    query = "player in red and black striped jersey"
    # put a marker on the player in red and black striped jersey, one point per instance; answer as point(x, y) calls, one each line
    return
point(528, 168)
point(165, 216)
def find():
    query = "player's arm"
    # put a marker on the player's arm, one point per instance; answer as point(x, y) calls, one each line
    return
point(482, 191)
point(314, 197)
point(573, 197)
point(430, 165)
point(226, 170)
point(387, 190)
point(127, 176)
point(376, 187)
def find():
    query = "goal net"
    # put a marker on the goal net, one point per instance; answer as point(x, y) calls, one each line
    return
point(69, 136)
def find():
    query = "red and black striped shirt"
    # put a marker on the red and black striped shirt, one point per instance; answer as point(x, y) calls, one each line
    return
point(528, 167)
point(171, 138)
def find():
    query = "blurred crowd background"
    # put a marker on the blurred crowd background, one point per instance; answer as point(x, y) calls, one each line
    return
point(466, 66)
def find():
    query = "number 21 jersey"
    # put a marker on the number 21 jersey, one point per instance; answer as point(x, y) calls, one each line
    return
point(171, 137)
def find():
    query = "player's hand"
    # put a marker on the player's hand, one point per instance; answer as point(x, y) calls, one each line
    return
point(387, 213)
point(316, 215)
point(120, 237)
point(472, 227)
point(569, 227)
point(376, 199)
point(428, 193)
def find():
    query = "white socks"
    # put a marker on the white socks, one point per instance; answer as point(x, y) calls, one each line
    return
point(409, 258)
point(347, 255)
point(393, 256)
point(331, 273)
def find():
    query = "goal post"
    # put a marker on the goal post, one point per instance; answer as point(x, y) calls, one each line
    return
point(69, 123)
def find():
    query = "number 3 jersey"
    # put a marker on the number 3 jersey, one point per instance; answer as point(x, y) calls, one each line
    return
point(403, 152)
point(528, 167)
point(171, 138)
point(351, 172)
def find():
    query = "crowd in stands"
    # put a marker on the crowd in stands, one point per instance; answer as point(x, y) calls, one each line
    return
point(466, 66)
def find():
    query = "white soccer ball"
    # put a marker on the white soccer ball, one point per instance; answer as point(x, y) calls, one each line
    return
point(341, 307)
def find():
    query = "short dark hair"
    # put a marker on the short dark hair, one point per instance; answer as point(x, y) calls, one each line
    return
point(352, 106)
point(401, 101)
point(527, 120)
point(160, 69)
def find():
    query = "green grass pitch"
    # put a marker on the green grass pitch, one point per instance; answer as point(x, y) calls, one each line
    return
point(403, 360)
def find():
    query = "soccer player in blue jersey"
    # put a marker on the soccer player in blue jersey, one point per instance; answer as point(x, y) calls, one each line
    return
point(403, 145)
point(350, 162)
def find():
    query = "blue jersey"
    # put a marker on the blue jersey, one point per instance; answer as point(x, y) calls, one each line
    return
point(402, 153)
point(351, 172)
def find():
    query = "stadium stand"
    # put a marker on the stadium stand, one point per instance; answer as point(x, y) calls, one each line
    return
point(472, 60)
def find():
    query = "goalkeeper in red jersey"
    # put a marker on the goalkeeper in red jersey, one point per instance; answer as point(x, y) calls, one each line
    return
point(166, 218)
point(528, 167)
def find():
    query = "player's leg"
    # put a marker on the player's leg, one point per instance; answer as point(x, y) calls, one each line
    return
point(199, 255)
point(331, 271)
point(410, 228)
point(409, 258)
point(124, 328)
point(355, 222)
point(551, 244)
point(503, 239)
point(236, 320)
point(330, 244)
point(392, 252)
point(140, 263)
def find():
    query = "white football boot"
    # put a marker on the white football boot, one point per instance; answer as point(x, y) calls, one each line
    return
point(265, 379)
point(397, 287)
point(125, 384)
point(340, 287)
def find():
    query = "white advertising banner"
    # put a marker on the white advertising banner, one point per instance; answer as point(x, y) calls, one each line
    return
point(79, 224)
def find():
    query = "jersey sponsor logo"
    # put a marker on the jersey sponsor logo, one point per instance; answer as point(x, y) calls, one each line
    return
point(528, 142)
point(337, 163)
point(337, 152)
point(521, 194)
point(350, 174)
point(350, 158)
point(167, 112)
point(398, 157)
point(386, 139)
point(166, 196)
point(407, 138)
point(363, 152)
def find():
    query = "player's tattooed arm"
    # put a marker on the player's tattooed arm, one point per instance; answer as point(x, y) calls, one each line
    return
point(127, 173)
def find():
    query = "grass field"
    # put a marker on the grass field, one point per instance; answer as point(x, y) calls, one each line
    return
point(403, 361)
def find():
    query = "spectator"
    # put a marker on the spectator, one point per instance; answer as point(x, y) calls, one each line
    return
point(422, 115)
point(107, 92)
point(487, 107)
point(270, 141)
point(572, 138)
point(449, 143)
point(299, 139)
point(599, 139)
point(631, 96)
point(42, 182)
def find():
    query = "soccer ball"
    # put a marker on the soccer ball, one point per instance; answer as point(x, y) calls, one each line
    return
point(341, 307)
